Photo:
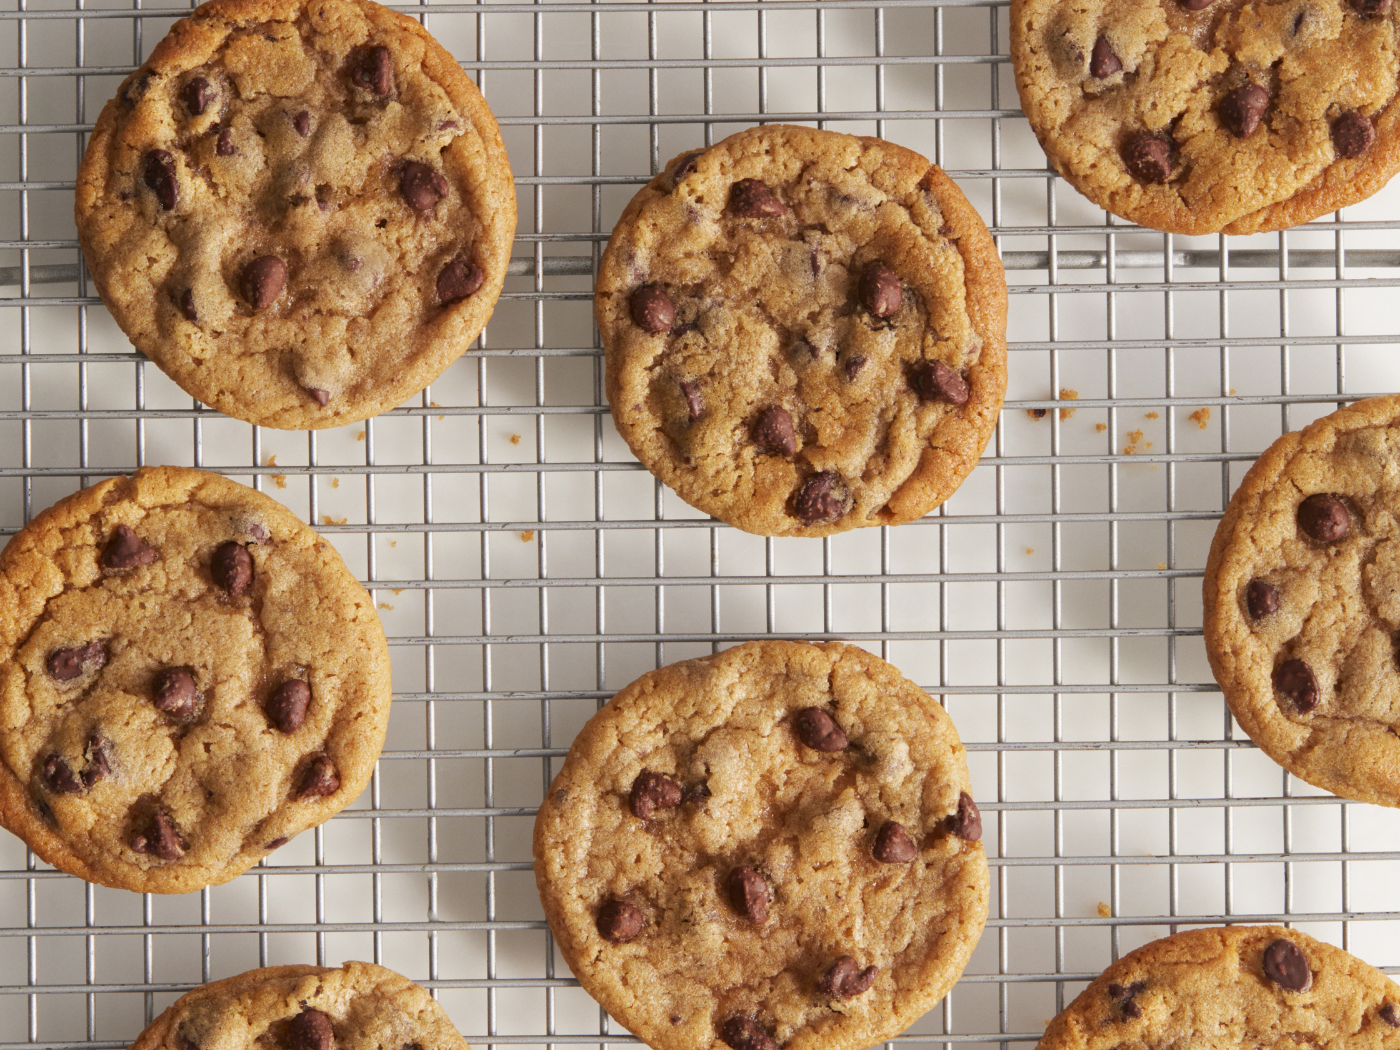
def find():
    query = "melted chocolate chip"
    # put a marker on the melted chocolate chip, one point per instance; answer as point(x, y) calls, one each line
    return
point(286, 707)
point(421, 187)
point(752, 199)
point(773, 432)
point(651, 309)
point(1124, 997)
point(459, 280)
point(1104, 62)
point(619, 922)
point(126, 550)
point(653, 791)
point(310, 1030)
point(694, 402)
point(1242, 109)
point(893, 844)
point(159, 175)
point(263, 281)
point(187, 309)
point(158, 839)
point(1260, 599)
point(278, 842)
point(321, 397)
point(935, 381)
point(1352, 134)
point(852, 366)
point(59, 778)
point(748, 893)
point(685, 166)
point(846, 980)
point(196, 95)
point(880, 291)
point(1196, 5)
point(744, 1033)
point(1297, 684)
point(1324, 518)
point(223, 145)
point(1371, 7)
point(320, 779)
point(1389, 1014)
point(966, 823)
point(1148, 158)
point(820, 500)
point(1287, 966)
point(175, 692)
point(373, 69)
point(97, 751)
point(819, 731)
point(66, 664)
point(232, 567)
point(302, 123)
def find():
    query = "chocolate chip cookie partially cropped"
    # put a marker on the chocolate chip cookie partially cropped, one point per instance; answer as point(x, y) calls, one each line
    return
point(805, 331)
point(301, 210)
point(1197, 116)
point(189, 676)
point(359, 1006)
point(1302, 602)
point(1233, 986)
point(776, 846)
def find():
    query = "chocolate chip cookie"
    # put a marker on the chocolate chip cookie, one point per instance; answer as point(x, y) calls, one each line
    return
point(773, 847)
point(1302, 602)
point(189, 676)
point(301, 210)
point(1233, 986)
point(1195, 116)
point(805, 331)
point(357, 1007)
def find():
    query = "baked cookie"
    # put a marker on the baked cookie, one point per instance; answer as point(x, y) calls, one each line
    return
point(1196, 116)
point(189, 676)
point(1302, 602)
point(1233, 986)
point(357, 1007)
point(301, 210)
point(805, 331)
point(771, 847)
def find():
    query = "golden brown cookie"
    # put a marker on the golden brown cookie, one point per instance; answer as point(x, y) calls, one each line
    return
point(772, 847)
point(1195, 116)
point(357, 1007)
point(301, 210)
point(1302, 602)
point(805, 331)
point(189, 676)
point(1233, 986)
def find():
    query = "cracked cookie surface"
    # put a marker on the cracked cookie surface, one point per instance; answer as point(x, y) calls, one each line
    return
point(189, 676)
point(359, 1006)
point(775, 846)
point(805, 331)
point(1226, 987)
point(1194, 117)
point(1302, 602)
point(301, 210)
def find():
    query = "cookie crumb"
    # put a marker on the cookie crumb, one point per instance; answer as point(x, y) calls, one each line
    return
point(359, 435)
point(393, 543)
point(272, 461)
point(397, 591)
point(280, 480)
point(328, 520)
point(335, 483)
point(386, 605)
point(1161, 566)
point(1134, 439)
point(515, 439)
point(1105, 912)
point(1030, 550)
point(434, 404)
point(1100, 427)
point(1201, 417)
point(527, 535)
point(1066, 394)
point(1036, 413)
point(1151, 415)
point(1232, 391)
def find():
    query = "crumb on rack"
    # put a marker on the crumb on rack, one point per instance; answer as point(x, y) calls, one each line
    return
point(1066, 394)
point(1161, 566)
point(1037, 413)
point(1105, 912)
point(272, 460)
point(1100, 427)
point(393, 543)
point(280, 480)
point(1201, 417)
point(359, 435)
point(515, 439)
point(434, 404)
point(1134, 439)
point(1150, 415)
point(527, 535)
point(385, 605)
point(1232, 391)
point(335, 483)
point(327, 519)
point(1030, 550)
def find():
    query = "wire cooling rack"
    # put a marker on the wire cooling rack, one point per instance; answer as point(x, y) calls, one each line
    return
point(526, 567)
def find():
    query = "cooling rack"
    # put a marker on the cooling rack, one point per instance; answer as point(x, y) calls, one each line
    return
point(526, 567)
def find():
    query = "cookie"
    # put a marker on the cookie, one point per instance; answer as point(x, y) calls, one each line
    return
point(805, 331)
point(301, 210)
point(357, 1007)
point(1197, 116)
point(1252, 986)
point(1302, 606)
point(189, 676)
point(776, 846)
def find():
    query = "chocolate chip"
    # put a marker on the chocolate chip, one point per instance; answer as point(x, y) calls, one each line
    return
point(184, 1042)
point(852, 367)
point(1287, 966)
point(160, 178)
point(286, 707)
point(619, 922)
point(373, 69)
point(653, 791)
point(846, 979)
point(1297, 684)
point(459, 280)
point(773, 432)
point(320, 779)
point(804, 351)
point(1371, 7)
point(66, 664)
point(223, 145)
point(1389, 1014)
point(421, 187)
point(323, 397)
point(879, 290)
point(1124, 996)
point(1260, 599)
point(1196, 5)
point(652, 309)
point(187, 306)
point(966, 823)
point(1104, 62)
point(1352, 134)
point(1148, 158)
point(59, 778)
point(232, 567)
point(158, 838)
point(302, 123)
point(175, 692)
point(99, 763)
point(310, 1030)
point(744, 1033)
point(1323, 517)
point(819, 731)
point(893, 844)
point(126, 550)
point(935, 381)
point(752, 199)
point(819, 501)
point(263, 281)
point(685, 166)
point(748, 893)
point(196, 95)
point(1242, 109)
point(694, 403)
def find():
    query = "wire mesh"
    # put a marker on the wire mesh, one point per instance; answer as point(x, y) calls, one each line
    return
point(526, 567)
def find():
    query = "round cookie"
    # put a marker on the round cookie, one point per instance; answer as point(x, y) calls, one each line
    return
point(302, 212)
point(357, 1007)
point(772, 847)
point(189, 676)
point(1232, 986)
point(1302, 611)
point(1197, 116)
point(805, 331)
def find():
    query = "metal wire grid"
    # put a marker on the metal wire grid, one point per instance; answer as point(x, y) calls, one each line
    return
point(1052, 603)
